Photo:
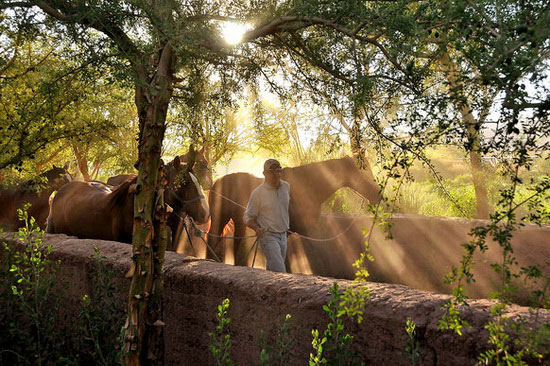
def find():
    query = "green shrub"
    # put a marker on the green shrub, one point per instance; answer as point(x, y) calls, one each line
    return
point(220, 340)
point(412, 349)
point(30, 303)
point(33, 330)
point(332, 347)
point(278, 354)
point(101, 317)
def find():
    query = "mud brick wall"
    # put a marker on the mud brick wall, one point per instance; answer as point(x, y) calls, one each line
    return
point(260, 300)
point(419, 253)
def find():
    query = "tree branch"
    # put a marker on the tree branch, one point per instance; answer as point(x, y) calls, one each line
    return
point(17, 4)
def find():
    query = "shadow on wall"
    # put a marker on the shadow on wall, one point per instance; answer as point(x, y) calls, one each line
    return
point(420, 253)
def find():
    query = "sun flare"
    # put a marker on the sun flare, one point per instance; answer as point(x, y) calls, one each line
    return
point(233, 32)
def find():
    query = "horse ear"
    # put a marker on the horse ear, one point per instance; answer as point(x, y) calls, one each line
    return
point(176, 161)
point(66, 166)
point(190, 162)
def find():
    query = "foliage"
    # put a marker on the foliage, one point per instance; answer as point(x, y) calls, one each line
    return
point(412, 349)
point(42, 95)
point(277, 354)
point(101, 317)
point(501, 227)
point(527, 344)
point(206, 112)
point(332, 347)
point(32, 302)
point(111, 149)
point(220, 340)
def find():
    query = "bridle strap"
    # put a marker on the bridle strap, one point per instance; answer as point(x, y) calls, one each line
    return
point(186, 202)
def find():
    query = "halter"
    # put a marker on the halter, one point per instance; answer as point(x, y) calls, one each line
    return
point(183, 202)
point(186, 202)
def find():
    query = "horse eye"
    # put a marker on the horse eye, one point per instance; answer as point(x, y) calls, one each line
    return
point(182, 180)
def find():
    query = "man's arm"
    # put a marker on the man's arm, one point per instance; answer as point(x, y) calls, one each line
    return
point(251, 213)
point(254, 226)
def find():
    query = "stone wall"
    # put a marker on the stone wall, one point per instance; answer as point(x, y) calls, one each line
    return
point(261, 299)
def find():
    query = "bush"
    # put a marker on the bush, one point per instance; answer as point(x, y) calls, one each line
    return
point(31, 300)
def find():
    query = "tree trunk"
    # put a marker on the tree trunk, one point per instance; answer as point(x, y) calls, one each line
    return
point(472, 132)
point(82, 162)
point(358, 148)
point(480, 186)
point(40, 167)
point(144, 326)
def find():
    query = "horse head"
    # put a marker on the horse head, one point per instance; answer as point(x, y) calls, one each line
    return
point(361, 181)
point(201, 168)
point(50, 180)
point(58, 176)
point(185, 194)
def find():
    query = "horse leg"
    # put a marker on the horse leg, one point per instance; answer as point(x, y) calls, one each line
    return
point(50, 228)
point(239, 248)
point(215, 243)
point(177, 231)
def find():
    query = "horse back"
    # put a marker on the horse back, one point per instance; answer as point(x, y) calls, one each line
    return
point(8, 211)
point(13, 199)
point(119, 179)
point(83, 209)
point(229, 195)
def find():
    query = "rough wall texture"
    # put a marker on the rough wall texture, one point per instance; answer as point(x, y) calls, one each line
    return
point(419, 254)
point(261, 299)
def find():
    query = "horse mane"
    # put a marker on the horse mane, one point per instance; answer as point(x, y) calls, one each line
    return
point(43, 180)
point(118, 196)
point(316, 164)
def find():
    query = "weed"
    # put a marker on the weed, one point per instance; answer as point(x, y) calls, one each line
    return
point(278, 355)
point(31, 302)
point(412, 349)
point(220, 340)
point(101, 317)
point(332, 347)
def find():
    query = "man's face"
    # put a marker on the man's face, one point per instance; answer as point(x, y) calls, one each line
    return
point(273, 174)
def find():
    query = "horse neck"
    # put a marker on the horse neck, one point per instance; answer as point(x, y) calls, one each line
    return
point(119, 195)
point(327, 177)
point(322, 179)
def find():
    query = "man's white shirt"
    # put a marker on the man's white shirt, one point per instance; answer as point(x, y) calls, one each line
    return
point(269, 206)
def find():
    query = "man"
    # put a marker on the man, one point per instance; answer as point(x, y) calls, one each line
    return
point(267, 215)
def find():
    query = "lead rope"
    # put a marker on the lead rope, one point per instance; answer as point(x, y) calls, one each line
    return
point(191, 242)
point(188, 236)
point(291, 232)
point(255, 245)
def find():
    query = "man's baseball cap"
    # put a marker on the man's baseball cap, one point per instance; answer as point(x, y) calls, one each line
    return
point(269, 163)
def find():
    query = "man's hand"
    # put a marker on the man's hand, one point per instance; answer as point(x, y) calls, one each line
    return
point(260, 232)
point(257, 228)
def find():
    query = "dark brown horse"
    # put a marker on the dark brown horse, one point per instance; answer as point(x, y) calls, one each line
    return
point(36, 192)
point(201, 169)
point(310, 186)
point(98, 211)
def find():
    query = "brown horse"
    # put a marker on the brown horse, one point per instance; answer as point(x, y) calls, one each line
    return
point(36, 192)
point(201, 169)
point(310, 186)
point(98, 211)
